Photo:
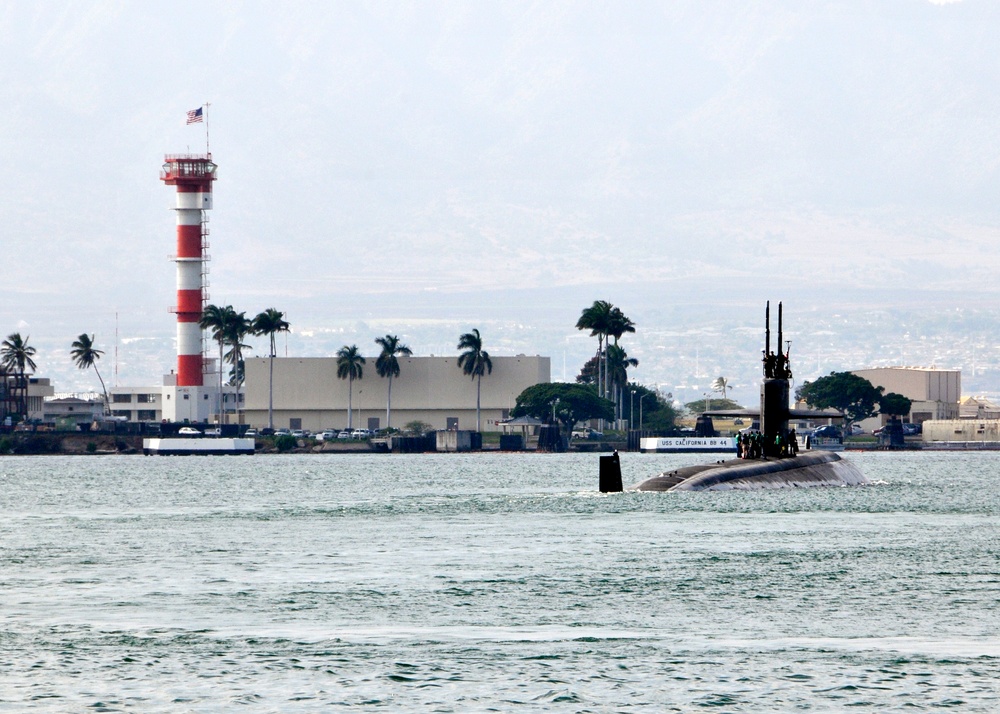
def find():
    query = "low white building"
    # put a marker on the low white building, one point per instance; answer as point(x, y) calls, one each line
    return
point(73, 409)
point(175, 404)
point(137, 403)
point(962, 430)
point(309, 395)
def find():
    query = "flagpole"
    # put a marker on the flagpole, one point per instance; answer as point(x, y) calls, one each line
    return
point(208, 147)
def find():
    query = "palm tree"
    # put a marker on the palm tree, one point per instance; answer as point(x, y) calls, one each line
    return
point(618, 364)
point(217, 319)
point(475, 362)
point(237, 328)
point(619, 324)
point(721, 384)
point(388, 366)
point(85, 356)
point(349, 367)
point(598, 319)
point(270, 323)
point(15, 356)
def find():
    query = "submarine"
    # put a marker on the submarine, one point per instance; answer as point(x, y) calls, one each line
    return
point(773, 460)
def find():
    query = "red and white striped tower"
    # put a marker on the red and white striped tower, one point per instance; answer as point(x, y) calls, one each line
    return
point(193, 176)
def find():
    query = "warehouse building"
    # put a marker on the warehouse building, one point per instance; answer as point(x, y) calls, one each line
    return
point(309, 395)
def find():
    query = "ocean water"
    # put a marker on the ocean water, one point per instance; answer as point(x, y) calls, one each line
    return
point(492, 582)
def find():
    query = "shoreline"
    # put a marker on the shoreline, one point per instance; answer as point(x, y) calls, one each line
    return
point(99, 444)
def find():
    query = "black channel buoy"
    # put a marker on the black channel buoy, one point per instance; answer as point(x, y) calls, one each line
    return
point(611, 474)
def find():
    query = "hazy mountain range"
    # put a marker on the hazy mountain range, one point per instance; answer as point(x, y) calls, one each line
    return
point(424, 168)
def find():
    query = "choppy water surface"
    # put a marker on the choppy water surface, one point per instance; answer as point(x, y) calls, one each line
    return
point(492, 582)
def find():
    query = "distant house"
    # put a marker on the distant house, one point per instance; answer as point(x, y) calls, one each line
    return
point(978, 408)
point(34, 389)
point(73, 409)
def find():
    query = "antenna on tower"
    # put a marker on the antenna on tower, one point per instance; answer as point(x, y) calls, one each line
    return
point(116, 348)
point(208, 147)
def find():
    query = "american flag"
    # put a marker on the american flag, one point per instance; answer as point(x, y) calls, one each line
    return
point(195, 116)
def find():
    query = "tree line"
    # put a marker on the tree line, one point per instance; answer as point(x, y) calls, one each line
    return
point(855, 396)
point(474, 361)
point(602, 388)
point(603, 379)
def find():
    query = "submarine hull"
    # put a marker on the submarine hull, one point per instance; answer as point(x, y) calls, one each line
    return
point(803, 471)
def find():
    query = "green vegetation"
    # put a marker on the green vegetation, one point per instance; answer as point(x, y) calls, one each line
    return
point(285, 442)
point(387, 366)
point(708, 405)
point(350, 365)
point(216, 318)
point(236, 331)
point(570, 403)
point(893, 404)
point(230, 328)
point(85, 356)
point(608, 369)
point(16, 356)
point(475, 362)
point(270, 322)
point(653, 412)
point(617, 366)
point(417, 427)
point(855, 396)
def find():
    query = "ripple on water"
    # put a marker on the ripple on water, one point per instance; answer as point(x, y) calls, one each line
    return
point(457, 582)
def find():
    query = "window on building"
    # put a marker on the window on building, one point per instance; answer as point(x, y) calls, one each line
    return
point(142, 398)
point(146, 415)
point(187, 396)
point(121, 398)
point(121, 413)
point(205, 397)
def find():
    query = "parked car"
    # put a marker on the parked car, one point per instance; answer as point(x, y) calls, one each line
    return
point(298, 433)
point(829, 431)
point(188, 431)
point(587, 433)
point(249, 433)
point(326, 435)
point(344, 434)
point(360, 434)
point(908, 430)
point(856, 429)
point(283, 432)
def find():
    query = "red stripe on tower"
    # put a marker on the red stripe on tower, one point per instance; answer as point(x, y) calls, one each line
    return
point(192, 175)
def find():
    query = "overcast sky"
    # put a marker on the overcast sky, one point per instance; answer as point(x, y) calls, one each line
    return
point(474, 161)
